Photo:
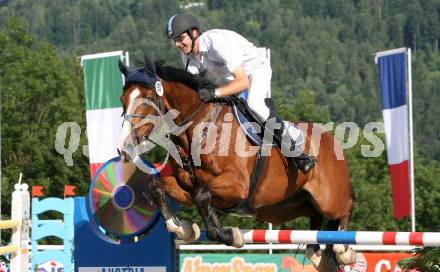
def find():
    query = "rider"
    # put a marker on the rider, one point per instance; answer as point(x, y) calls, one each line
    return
point(235, 65)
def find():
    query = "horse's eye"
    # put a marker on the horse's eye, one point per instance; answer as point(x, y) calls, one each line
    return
point(150, 99)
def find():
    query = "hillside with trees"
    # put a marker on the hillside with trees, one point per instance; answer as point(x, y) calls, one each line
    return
point(323, 71)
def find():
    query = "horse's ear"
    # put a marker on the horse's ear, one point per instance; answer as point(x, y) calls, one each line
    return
point(150, 66)
point(123, 68)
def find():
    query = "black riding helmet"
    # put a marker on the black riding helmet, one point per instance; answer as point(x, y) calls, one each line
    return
point(181, 23)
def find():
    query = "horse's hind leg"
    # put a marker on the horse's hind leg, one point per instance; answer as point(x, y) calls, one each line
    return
point(182, 228)
point(230, 236)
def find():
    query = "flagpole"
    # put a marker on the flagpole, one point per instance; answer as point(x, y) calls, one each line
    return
point(411, 151)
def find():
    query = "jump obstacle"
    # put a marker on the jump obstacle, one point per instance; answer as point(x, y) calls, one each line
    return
point(342, 237)
point(151, 248)
point(62, 229)
point(19, 223)
point(123, 199)
point(93, 250)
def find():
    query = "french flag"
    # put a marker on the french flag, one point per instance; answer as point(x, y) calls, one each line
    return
point(393, 85)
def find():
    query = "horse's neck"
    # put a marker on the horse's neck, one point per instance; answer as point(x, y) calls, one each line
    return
point(181, 98)
point(186, 101)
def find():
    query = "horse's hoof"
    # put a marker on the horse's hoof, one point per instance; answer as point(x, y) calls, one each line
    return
point(313, 256)
point(189, 232)
point(238, 240)
point(339, 249)
point(171, 226)
point(192, 229)
point(328, 263)
point(345, 256)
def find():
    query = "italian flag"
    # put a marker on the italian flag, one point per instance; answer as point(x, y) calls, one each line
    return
point(103, 84)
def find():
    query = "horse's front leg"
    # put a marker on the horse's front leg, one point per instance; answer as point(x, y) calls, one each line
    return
point(329, 259)
point(313, 251)
point(230, 236)
point(184, 229)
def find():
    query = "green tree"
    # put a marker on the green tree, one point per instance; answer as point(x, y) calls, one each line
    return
point(371, 183)
point(426, 259)
point(322, 62)
point(39, 92)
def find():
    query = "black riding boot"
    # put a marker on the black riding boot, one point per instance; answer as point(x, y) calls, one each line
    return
point(303, 161)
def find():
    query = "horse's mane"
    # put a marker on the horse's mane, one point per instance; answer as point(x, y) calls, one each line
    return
point(172, 74)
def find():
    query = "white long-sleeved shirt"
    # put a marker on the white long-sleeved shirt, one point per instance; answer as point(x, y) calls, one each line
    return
point(221, 52)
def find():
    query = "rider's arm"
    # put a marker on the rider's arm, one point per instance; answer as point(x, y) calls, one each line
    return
point(239, 84)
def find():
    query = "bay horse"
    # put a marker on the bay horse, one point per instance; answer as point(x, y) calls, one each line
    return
point(221, 179)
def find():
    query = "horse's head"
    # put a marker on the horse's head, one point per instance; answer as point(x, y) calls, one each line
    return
point(141, 101)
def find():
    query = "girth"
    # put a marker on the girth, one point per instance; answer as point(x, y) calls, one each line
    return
point(245, 207)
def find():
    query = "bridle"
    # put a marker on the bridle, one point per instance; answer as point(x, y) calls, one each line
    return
point(161, 108)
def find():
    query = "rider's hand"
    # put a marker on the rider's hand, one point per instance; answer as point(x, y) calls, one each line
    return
point(207, 95)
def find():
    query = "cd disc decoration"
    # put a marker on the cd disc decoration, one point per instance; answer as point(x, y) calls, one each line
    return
point(118, 201)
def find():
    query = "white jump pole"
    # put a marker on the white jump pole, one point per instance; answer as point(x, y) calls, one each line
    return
point(19, 223)
point(342, 237)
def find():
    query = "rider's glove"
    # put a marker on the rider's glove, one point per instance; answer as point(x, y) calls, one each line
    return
point(207, 95)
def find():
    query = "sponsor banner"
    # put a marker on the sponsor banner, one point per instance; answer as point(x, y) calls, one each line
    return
point(366, 262)
point(54, 266)
point(124, 269)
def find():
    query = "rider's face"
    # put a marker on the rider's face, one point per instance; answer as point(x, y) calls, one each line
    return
point(183, 42)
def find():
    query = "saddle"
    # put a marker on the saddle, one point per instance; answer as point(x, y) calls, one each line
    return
point(244, 115)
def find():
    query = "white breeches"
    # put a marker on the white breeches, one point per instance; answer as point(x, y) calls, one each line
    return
point(259, 89)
